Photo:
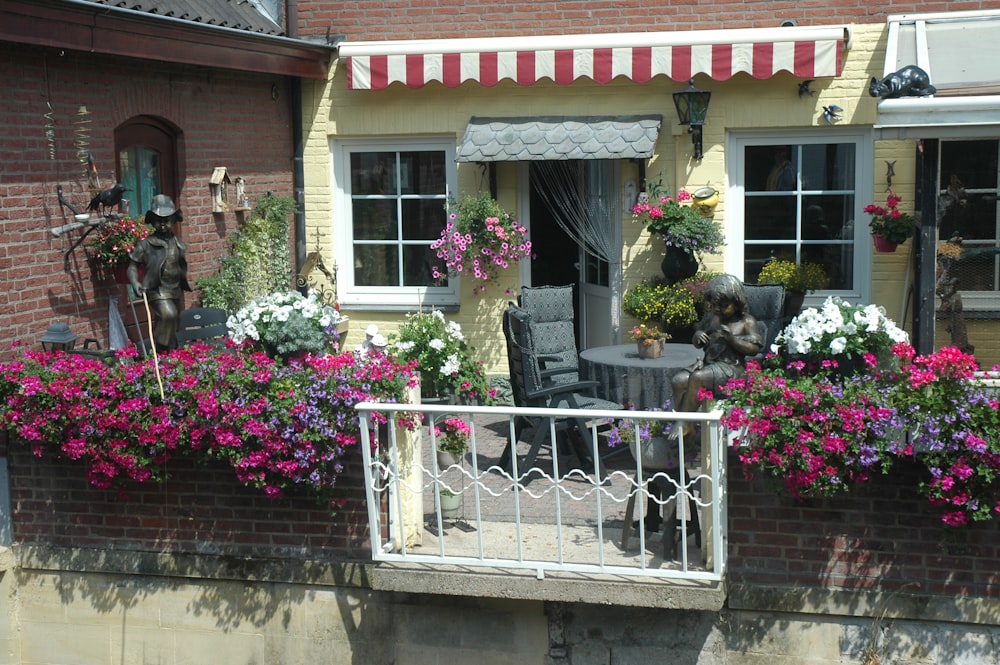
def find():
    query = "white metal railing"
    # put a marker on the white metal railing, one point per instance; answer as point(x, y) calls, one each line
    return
point(549, 517)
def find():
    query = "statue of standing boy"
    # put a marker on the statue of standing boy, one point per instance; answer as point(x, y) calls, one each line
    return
point(163, 256)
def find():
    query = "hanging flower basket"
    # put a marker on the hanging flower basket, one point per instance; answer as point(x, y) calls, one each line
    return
point(889, 222)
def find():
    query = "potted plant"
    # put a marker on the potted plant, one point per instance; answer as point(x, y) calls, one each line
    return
point(825, 337)
point(648, 440)
point(111, 244)
point(686, 232)
point(797, 278)
point(890, 227)
point(437, 348)
point(452, 440)
point(479, 239)
point(451, 504)
point(649, 340)
point(674, 307)
point(287, 324)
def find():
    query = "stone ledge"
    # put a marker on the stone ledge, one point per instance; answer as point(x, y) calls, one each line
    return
point(617, 590)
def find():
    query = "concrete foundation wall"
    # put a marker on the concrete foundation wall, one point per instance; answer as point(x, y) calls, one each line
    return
point(189, 610)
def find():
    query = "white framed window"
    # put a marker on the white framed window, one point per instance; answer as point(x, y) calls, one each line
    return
point(800, 197)
point(389, 206)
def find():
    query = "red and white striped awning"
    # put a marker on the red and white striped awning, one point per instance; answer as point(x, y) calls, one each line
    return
point(806, 52)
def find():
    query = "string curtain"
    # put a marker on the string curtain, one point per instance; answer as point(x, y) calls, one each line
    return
point(583, 201)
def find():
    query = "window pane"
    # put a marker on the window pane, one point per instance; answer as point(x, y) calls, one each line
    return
point(837, 260)
point(770, 217)
point(373, 173)
point(755, 256)
point(422, 173)
point(968, 208)
point(375, 220)
point(828, 166)
point(973, 163)
point(770, 168)
point(828, 216)
point(140, 167)
point(376, 265)
point(423, 219)
point(417, 263)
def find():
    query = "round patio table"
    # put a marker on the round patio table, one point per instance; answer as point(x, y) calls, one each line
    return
point(626, 378)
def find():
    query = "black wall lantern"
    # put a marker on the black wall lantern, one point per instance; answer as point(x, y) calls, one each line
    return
point(692, 108)
point(58, 338)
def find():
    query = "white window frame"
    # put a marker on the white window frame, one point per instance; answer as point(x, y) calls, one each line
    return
point(387, 298)
point(736, 202)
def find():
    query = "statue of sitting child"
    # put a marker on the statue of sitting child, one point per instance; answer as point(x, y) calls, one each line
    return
point(728, 334)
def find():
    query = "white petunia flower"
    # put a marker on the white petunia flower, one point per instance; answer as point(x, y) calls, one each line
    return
point(451, 365)
point(454, 331)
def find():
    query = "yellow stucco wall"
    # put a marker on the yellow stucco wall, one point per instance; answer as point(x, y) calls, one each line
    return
point(742, 103)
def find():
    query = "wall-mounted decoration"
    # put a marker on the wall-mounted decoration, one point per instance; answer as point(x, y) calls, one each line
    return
point(218, 185)
point(242, 200)
point(832, 113)
point(910, 81)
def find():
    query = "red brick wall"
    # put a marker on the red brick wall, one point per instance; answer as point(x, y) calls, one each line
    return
point(202, 509)
point(882, 536)
point(367, 20)
point(226, 119)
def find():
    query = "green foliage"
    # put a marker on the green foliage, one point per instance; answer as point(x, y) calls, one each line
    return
point(673, 305)
point(259, 263)
point(803, 276)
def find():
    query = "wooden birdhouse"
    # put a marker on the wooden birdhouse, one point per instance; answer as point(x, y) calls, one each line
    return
point(218, 185)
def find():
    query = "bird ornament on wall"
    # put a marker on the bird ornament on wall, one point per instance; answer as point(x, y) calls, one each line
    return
point(109, 198)
point(832, 113)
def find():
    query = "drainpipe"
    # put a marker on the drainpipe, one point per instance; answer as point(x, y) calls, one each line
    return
point(298, 169)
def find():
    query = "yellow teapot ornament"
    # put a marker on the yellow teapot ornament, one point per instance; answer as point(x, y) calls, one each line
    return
point(705, 199)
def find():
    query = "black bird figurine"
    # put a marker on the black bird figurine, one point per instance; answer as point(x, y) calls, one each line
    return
point(831, 113)
point(804, 89)
point(109, 198)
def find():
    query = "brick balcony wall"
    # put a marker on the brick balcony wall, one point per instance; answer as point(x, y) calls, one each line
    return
point(881, 536)
point(202, 509)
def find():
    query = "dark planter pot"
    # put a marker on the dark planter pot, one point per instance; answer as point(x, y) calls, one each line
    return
point(793, 302)
point(678, 265)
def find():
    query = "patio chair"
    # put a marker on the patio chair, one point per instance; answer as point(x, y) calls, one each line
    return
point(766, 302)
point(203, 324)
point(535, 384)
point(554, 326)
